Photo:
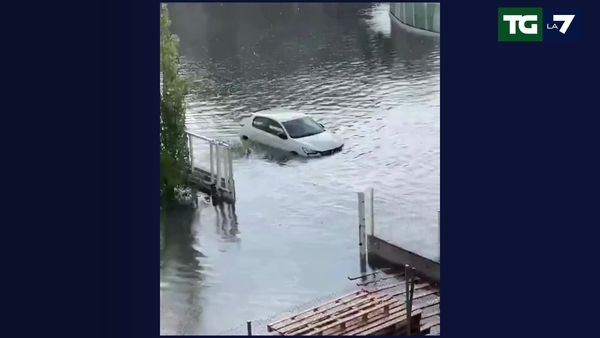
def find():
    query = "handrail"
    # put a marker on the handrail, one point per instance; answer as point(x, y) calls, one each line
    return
point(220, 157)
point(207, 138)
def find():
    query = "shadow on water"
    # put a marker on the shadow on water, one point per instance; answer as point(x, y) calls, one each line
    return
point(181, 270)
point(227, 222)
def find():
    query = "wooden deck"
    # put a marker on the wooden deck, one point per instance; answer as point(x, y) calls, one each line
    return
point(371, 311)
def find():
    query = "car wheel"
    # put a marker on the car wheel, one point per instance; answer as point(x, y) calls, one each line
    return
point(294, 153)
point(244, 137)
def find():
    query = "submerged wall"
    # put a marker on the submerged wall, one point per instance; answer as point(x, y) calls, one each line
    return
point(419, 15)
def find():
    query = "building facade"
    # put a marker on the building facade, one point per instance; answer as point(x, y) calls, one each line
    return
point(420, 15)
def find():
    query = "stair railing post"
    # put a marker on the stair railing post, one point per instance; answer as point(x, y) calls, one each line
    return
point(226, 167)
point(230, 178)
point(191, 149)
point(361, 224)
point(407, 278)
point(372, 212)
point(212, 162)
point(218, 159)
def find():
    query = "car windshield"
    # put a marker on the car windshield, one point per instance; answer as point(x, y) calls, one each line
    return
point(303, 127)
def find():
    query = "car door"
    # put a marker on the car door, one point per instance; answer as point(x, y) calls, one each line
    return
point(260, 125)
point(274, 130)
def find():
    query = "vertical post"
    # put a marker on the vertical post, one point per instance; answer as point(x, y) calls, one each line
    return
point(249, 327)
point(372, 212)
point(439, 239)
point(212, 162)
point(218, 158)
point(361, 224)
point(407, 272)
point(363, 268)
point(413, 272)
point(226, 166)
point(191, 149)
point(231, 182)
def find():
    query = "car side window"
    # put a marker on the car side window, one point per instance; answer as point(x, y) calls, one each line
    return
point(275, 128)
point(261, 123)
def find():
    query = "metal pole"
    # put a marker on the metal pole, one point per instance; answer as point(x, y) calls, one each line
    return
point(413, 273)
point(407, 272)
point(191, 148)
point(218, 158)
point(226, 167)
point(249, 327)
point(372, 212)
point(230, 178)
point(212, 162)
point(361, 224)
point(363, 267)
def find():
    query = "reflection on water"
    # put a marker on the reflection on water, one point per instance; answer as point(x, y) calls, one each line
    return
point(292, 236)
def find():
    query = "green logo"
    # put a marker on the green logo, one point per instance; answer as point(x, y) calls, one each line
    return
point(520, 24)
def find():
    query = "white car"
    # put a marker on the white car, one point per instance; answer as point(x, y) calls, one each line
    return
point(290, 131)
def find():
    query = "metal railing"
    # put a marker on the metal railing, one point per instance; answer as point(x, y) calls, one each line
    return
point(220, 161)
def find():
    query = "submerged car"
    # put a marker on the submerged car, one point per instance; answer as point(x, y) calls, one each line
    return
point(290, 131)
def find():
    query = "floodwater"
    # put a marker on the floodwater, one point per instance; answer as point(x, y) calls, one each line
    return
point(293, 234)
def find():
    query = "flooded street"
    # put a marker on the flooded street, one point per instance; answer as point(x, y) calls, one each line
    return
point(293, 234)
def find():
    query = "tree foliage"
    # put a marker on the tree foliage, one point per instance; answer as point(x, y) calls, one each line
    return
point(173, 141)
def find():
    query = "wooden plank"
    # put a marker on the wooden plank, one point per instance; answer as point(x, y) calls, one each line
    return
point(322, 307)
point(400, 319)
point(318, 314)
point(352, 295)
point(418, 287)
point(395, 316)
point(400, 328)
point(421, 295)
point(387, 287)
point(430, 325)
point(353, 314)
point(397, 312)
point(344, 322)
point(301, 327)
point(316, 324)
point(360, 313)
point(373, 316)
point(428, 304)
point(435, 312)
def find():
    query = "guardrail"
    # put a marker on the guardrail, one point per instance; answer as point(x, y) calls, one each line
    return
point(220, 163)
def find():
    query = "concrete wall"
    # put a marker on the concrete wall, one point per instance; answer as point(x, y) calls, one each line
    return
point(420, 15)
point(382, 253)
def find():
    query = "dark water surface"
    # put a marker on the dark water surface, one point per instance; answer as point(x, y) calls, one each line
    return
point(293, 235)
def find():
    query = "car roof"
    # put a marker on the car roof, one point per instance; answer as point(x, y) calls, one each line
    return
point(280, 114)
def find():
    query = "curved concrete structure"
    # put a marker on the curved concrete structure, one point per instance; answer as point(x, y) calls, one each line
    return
point(422, 16)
